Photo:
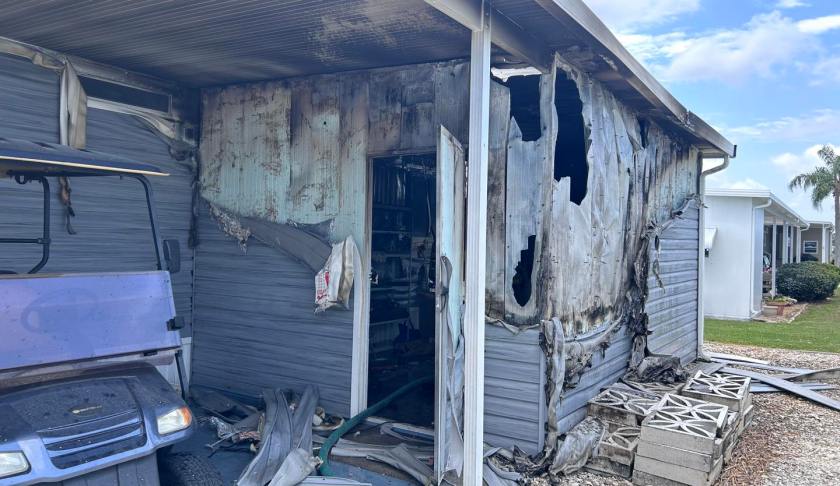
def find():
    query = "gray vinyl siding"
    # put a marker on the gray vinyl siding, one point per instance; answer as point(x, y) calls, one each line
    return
point(606, 369)
point(255, 325)
point(120, 206)
point(111, 223)
point(514, 389)
point(672, 306)
point(29, 99)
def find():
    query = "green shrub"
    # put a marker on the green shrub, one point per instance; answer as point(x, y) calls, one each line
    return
point(807, 280)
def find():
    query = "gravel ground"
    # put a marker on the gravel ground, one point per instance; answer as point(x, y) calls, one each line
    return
point(791, 441)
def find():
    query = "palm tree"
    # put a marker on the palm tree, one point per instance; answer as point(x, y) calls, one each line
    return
point(824, 181)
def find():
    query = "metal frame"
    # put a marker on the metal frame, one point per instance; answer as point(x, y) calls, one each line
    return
point(44, 240)
point(476, 250)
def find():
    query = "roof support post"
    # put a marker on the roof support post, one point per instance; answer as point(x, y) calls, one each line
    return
point(826, 241)
point(773, 261)
point(476, 250)
point(797, 255)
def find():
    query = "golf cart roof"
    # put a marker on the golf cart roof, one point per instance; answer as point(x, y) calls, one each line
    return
point(21, 156)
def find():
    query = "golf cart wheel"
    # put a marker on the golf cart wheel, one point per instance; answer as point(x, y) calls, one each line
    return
point(184, 469)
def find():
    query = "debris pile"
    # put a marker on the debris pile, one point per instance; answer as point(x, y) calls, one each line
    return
point(671, 433)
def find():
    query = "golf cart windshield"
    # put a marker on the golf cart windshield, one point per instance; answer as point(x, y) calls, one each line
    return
point(27, 162)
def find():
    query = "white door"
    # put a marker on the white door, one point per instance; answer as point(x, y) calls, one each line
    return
point(449, 365)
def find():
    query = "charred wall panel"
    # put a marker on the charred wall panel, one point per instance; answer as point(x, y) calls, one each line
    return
point(296, 151)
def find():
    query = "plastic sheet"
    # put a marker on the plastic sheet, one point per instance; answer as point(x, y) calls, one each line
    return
point(580, 444)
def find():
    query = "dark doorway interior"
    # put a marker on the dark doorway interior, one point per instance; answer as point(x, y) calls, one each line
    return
point(402, 306)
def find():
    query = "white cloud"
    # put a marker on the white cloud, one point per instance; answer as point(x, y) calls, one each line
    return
point(629, 15)
point(826, 71)
point(790, 4)
point(766, 46)
point(819, 25)
point(720, 180)
point(816, 126)
point(793, 164)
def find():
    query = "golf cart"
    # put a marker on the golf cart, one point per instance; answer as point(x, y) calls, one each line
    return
point(81, 399)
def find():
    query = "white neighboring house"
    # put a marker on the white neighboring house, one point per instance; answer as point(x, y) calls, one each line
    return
point(816, 241)
point(748, 234)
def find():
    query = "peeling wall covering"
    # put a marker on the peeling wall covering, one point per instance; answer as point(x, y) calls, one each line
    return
point(296, 150)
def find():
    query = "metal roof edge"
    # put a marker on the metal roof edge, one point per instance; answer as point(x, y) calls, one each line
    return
point(576, 15)
point(758, 193)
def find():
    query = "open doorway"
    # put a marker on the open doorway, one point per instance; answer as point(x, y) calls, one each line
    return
point(402, 302)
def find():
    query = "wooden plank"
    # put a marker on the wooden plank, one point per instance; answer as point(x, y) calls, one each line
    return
point(788, 386)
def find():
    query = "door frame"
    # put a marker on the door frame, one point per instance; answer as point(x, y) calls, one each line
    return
point(361, 303)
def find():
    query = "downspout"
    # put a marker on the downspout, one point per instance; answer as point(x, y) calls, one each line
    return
point(701, 263)
point(753, 311)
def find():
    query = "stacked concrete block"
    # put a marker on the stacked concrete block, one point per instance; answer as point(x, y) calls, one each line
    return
point(621, 407)
point(616, 452)
point(725, 389)
point(681, 442)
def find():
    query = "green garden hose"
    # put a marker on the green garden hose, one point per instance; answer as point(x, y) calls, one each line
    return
point(324, 470)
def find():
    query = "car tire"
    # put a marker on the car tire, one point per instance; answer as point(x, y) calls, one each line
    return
point(185, 469)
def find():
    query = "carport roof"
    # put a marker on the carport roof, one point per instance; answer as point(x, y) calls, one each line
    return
point(201, 43)
point(777, 207)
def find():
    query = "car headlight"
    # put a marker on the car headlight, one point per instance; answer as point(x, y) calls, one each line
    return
point(12, 463)
point(178, 419)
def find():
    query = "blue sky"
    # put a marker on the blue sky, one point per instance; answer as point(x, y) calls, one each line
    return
point(765, 73)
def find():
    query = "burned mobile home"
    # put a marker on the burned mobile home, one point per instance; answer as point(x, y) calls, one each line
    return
point(508, 202)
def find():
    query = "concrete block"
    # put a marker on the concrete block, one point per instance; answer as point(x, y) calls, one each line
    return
point(683, 475)
point(721, 388)
point(621, 407)
point(642, 478)
point(602, 465)
point(685, 423)
point(681, 457)
point(620, 445)
point(656, 388)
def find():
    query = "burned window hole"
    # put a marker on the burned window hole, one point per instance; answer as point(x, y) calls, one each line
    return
point(522, 277)
point(525, 105)
point(572, 138)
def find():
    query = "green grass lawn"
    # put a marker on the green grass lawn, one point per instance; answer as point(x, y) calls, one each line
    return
point(816, 329)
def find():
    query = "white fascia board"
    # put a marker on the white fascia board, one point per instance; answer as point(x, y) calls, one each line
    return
point(778, 209)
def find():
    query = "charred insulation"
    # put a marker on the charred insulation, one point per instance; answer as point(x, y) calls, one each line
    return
point(525, 105)
point(571, 146)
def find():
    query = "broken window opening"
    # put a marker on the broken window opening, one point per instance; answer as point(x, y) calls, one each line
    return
point(524, 268)
point(571, 146)
point(525, 105)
